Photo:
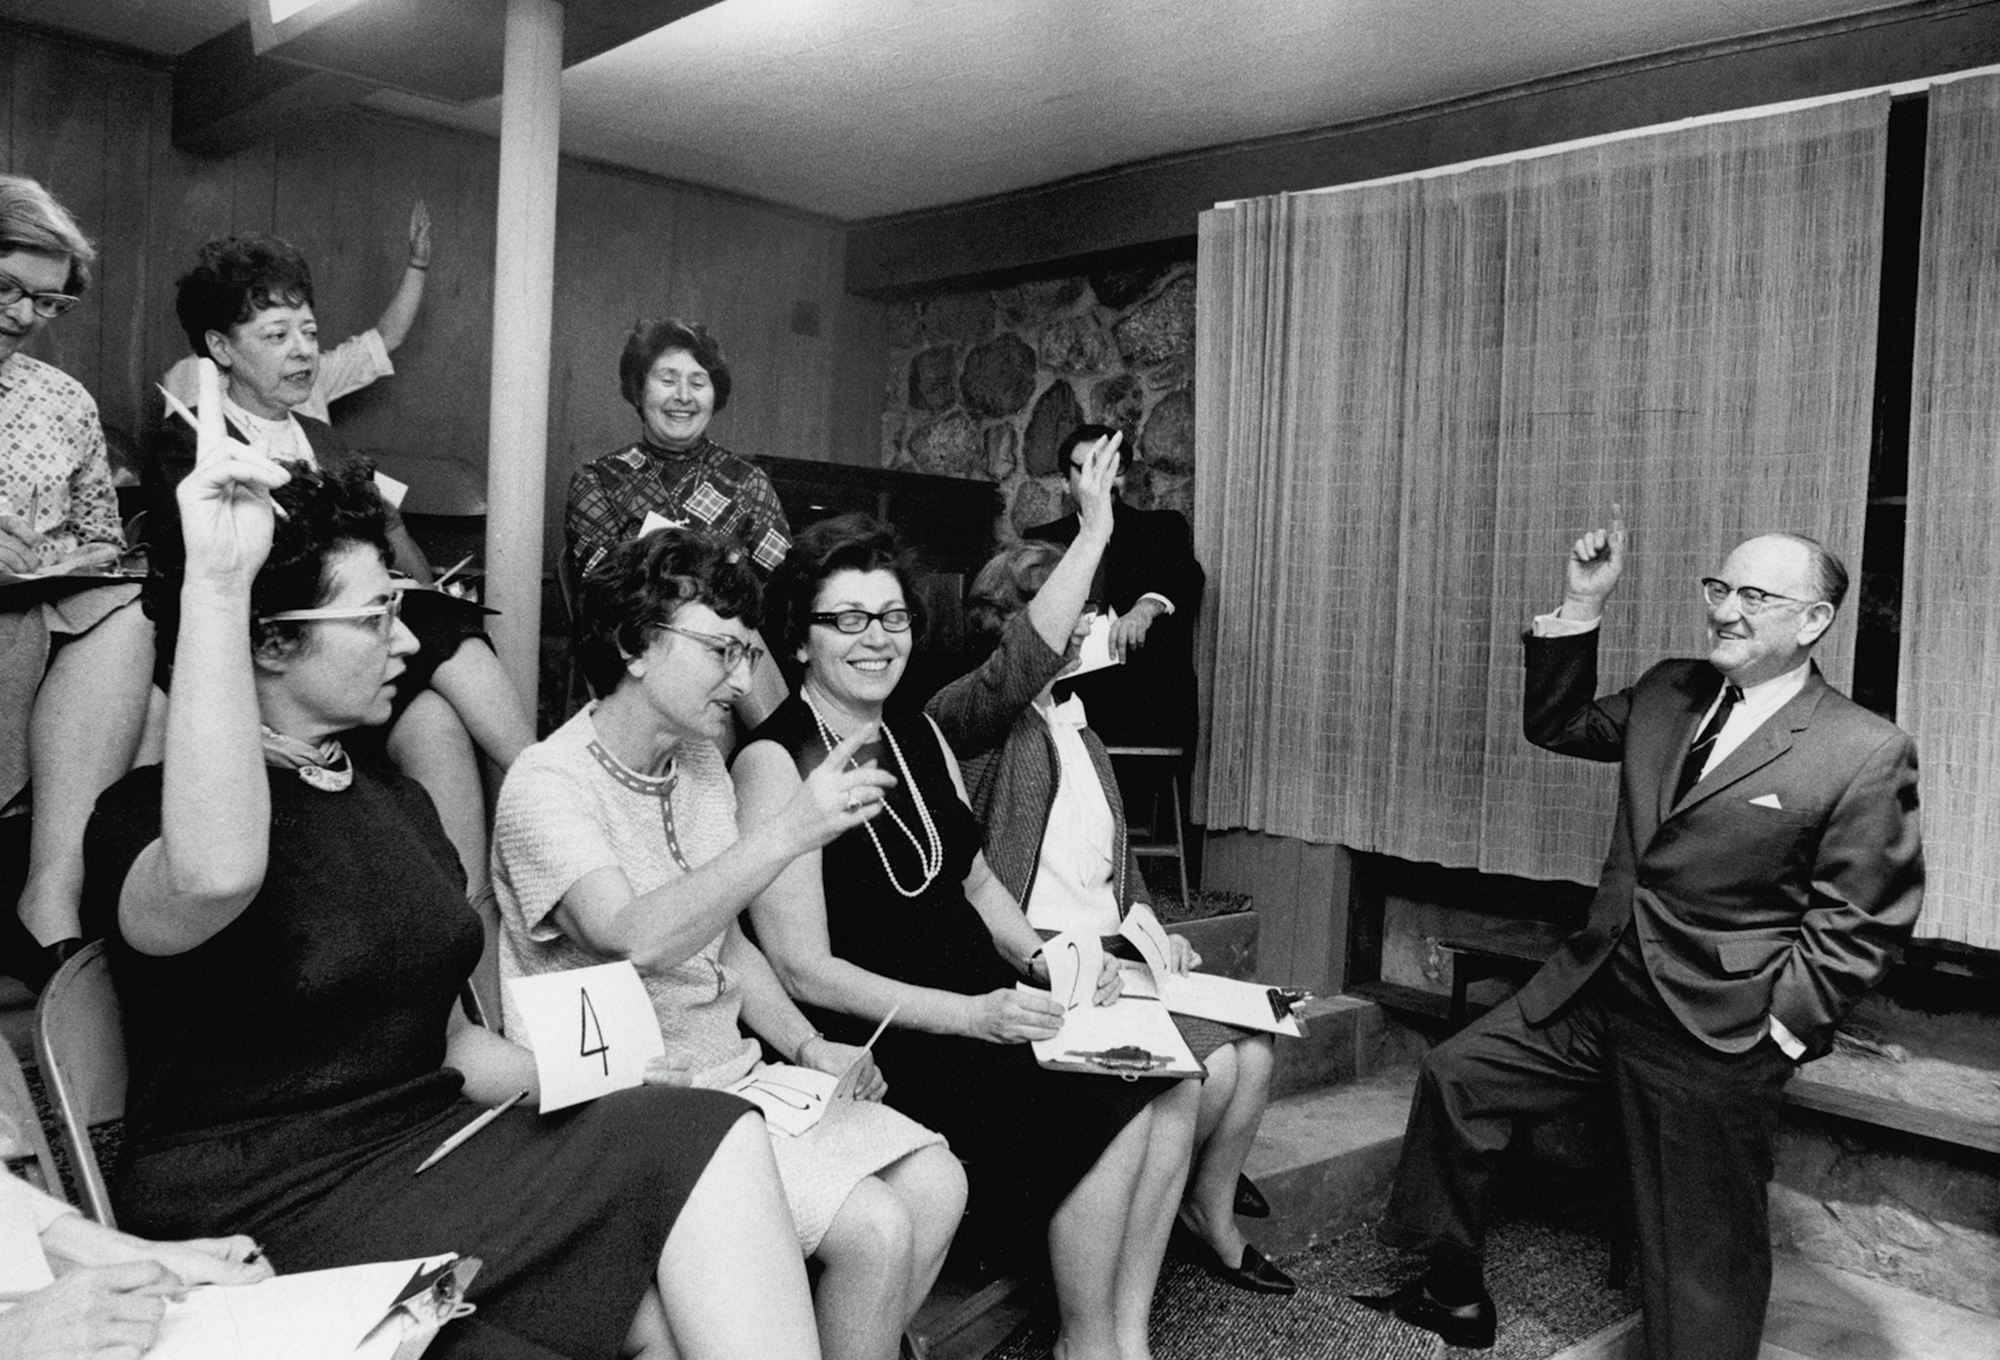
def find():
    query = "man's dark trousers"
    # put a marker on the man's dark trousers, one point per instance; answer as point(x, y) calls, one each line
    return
point(1697, 1129)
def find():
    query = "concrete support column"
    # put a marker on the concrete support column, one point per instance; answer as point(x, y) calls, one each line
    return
point(523, 302)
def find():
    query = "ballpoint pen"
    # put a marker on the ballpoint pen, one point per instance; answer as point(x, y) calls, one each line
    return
point(457, 1140)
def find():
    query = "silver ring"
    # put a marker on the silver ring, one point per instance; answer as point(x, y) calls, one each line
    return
point(852, 801)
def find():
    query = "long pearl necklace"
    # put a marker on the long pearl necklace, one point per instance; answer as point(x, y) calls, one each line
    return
point(930, 850)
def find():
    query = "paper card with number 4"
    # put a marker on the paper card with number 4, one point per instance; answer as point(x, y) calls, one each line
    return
point(592, 1030)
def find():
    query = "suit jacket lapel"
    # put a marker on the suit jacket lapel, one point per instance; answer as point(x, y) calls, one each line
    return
point(1764, 745)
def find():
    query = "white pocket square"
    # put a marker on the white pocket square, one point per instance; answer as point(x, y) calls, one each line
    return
point(1769, 800)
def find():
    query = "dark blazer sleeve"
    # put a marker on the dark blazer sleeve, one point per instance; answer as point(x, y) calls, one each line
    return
point(1560, 710)
point(1175, 571)
point(1866, 889)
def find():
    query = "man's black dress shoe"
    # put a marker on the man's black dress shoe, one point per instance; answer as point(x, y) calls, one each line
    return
point(1469, 1325)
point(1250, 1201)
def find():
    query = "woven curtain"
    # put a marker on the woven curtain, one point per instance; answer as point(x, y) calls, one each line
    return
point(1949, 681)
point(1682, 323)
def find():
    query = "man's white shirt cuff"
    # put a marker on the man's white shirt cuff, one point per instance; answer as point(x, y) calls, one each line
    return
point(1555, 625)
point(1165, 603)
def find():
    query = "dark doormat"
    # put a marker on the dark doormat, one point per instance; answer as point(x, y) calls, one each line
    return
point(1548, 1280)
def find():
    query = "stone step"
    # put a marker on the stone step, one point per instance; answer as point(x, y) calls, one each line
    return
point(1324, 1158)
point(1821, 1312)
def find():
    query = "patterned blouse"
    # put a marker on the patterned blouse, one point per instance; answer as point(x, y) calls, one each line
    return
point(53, 468)
point(706, 487)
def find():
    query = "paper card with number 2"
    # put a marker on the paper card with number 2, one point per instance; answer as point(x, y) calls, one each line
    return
point(592, 1030)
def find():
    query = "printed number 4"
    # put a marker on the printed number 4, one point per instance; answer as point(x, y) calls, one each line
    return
point(592, 1030)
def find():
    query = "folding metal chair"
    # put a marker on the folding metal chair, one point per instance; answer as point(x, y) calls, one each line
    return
point(80, 1044)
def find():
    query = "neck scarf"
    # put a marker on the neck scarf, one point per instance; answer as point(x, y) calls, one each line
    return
point(325, 766)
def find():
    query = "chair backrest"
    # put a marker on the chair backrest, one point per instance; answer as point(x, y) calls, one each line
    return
point(80, 1043)
point(24, 1147)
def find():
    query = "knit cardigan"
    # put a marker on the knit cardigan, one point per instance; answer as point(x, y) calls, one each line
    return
point(1009, 759)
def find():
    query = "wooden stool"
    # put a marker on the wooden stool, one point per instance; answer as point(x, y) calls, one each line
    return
point(1150, 760)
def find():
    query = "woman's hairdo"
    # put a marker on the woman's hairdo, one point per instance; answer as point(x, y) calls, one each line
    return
point(1003, 587)
point(325, 511)
point(639, 586)
point(650, 339)
point(233, 279)
point(31, 219)
point(851, 542)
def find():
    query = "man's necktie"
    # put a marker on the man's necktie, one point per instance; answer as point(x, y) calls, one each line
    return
point(1697, 755)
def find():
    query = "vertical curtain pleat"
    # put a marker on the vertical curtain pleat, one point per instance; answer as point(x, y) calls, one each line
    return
point(1949, 680)
point(1416, 394)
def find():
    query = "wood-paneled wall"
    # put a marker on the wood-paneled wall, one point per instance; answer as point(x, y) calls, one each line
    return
point(93, 126)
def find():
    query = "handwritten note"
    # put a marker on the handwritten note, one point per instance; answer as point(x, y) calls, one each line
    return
point(592, 1030)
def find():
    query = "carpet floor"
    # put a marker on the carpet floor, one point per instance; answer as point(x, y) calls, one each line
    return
point(1547, 1278)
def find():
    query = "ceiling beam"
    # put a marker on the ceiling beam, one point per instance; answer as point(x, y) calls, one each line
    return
point(1058, 227)
point(226, 97)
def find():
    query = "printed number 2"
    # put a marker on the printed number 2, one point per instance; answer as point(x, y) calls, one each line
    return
point(592, 1030)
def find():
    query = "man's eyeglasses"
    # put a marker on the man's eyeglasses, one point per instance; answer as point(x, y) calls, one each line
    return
point(857, 620)
point(1749, 599)
point(383, 615)
point(45, 304)
point(732, 652)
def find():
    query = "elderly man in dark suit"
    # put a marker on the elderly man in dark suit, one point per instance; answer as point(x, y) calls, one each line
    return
point(1150, 578)
point(1765, 865)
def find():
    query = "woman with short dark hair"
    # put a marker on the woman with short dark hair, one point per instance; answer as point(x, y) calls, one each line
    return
point(248, 305)
point(675, 377)
point(903, 915)
point(289, 938)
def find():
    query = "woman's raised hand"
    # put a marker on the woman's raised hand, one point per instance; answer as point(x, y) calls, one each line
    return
point(1013, 1016)
point(1093, 486)
point(838, 796)
point(226, 506)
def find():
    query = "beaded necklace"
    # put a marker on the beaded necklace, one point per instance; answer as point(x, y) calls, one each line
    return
point(930, 850)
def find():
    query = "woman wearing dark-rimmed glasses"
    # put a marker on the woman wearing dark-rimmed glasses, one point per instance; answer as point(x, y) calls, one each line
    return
point(901, 914)
point(617, 838)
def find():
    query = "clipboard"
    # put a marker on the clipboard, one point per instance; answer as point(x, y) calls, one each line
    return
point(384, 1310)
point(1209, 996)
point(1132, 1037)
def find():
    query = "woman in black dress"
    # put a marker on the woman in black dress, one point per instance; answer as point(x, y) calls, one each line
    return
point(902, 913)
point(289, 937)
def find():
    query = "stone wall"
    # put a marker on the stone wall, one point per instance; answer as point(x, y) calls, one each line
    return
point(986, 383)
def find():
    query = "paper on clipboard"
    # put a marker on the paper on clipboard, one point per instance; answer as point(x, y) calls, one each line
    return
point(1246, 1005)
point(1090, 1031)
point(313, 1315)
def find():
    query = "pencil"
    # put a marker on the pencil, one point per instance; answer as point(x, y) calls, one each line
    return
point(457, 1140)
point(884, 1025)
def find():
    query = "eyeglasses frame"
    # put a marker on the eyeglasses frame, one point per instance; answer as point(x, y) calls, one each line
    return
point(48, 306)
point(1754, 603)
point(831, 619)
point(391, 610)
point(725, 648)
